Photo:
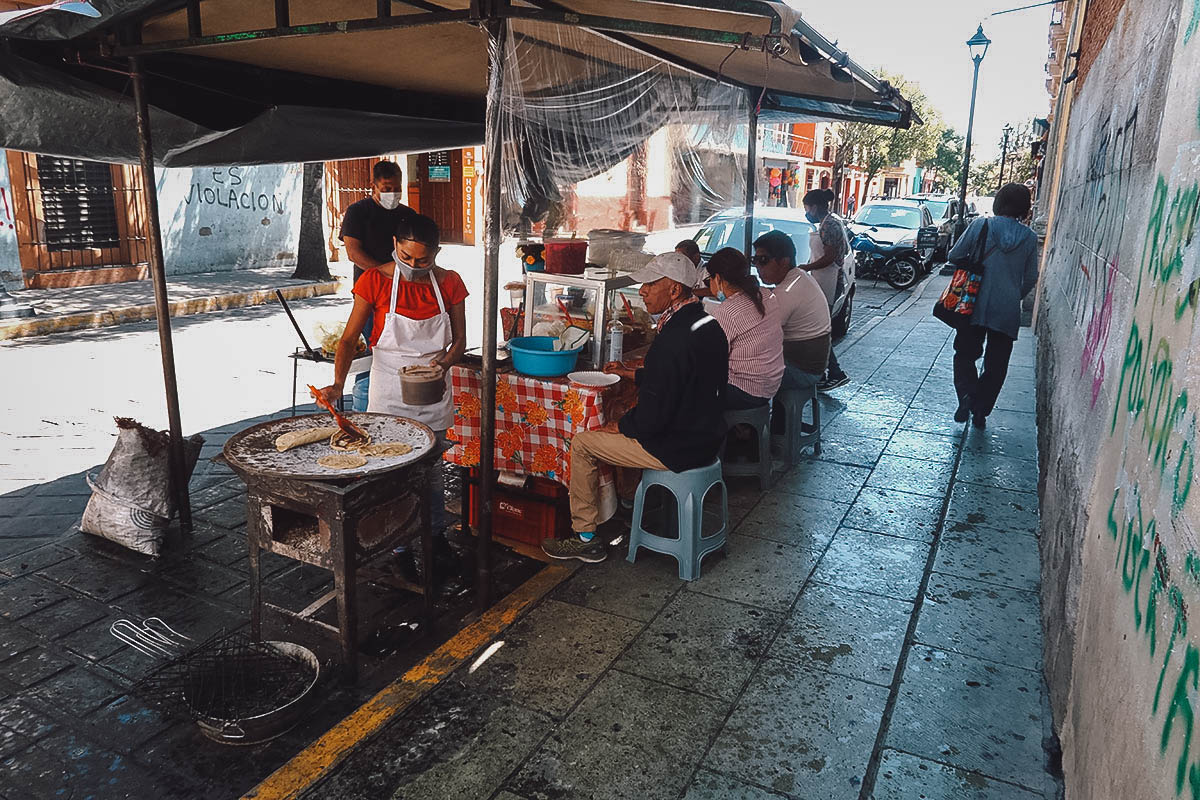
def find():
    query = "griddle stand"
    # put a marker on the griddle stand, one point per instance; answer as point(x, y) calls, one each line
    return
point(320, 523)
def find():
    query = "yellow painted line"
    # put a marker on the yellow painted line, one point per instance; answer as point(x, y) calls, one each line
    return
point(320, 757)
point(59, 323)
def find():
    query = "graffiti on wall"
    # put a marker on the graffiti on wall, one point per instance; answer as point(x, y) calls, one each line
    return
point(227, 188)
point(1153, 418)
point(1094, 227)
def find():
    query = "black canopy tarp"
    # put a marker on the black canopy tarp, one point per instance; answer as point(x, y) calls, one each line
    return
point(343, 83)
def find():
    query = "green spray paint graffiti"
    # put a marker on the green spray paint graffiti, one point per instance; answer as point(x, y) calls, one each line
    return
point(1138, 546)
point(1168, 235)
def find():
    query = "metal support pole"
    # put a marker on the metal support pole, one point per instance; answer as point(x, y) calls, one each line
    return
point(962, 190)
point(751, 173)
point(158, 277)
point(497, 30)
point(1003, 158)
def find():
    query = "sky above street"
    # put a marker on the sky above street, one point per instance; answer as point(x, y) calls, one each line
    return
point(926, 42)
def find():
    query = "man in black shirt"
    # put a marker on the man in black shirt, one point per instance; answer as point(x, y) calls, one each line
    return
point(370, 224)
point(678, 421)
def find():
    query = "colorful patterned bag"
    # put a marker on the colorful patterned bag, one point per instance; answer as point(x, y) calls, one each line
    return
point(957, 303)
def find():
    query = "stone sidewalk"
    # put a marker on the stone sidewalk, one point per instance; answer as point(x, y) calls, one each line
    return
point(873, 631)
point(82, 307)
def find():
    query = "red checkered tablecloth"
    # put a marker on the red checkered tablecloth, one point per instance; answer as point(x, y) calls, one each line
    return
point(536, 419)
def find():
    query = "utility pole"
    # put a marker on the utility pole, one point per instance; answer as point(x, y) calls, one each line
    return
point(1008, 129)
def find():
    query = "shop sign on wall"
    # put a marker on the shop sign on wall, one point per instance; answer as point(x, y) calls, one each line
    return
point(439, 167)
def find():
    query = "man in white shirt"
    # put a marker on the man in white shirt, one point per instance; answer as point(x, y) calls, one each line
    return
point(803, 310)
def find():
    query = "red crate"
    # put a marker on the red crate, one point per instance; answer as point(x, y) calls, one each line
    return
point(538, 511)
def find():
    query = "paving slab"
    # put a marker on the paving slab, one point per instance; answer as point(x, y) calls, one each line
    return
point(896, 513)
point(629, 738)
point(858, 423)
point(822, 480)
point(860, 451)
point(850, 633)
point(637, 591)
point(970, 713)
point(907, 777)
point(1002, 442)
point(551, 658)
point(912, 475)
point(991, 507)
point(928, 446)
point(702, 644)
point(456, 743)
point(801, 732)
point(756, 572)
point(940, 422)
point(708, 785)
point(983, 620)
point(1005, 472)
point(804, 522)
point(33, 560)
point(874, 563)
point(890, 401)
point(64, 617)
point(1007, 558)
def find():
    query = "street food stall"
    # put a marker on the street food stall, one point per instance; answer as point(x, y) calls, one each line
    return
point(557, 90)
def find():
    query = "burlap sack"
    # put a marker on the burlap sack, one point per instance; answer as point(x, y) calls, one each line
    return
point(131, 501)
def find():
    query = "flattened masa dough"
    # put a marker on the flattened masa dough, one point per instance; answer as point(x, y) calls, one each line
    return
point(386, 449)
point(342, 461)
point(341, 441)
point(287, 441)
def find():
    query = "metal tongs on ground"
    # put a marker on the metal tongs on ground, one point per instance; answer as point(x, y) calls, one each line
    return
point(355, 433)
point(153, 637)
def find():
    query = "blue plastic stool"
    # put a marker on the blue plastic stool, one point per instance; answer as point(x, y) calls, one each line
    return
point(760, 420)
point(794, 439)
point(690, 488)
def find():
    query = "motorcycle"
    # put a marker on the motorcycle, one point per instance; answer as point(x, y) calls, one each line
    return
point(900, 263)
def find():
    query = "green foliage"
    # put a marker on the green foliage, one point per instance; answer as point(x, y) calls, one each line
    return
point(947, 160)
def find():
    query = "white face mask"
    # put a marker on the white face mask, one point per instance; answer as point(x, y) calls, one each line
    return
point(389, 200)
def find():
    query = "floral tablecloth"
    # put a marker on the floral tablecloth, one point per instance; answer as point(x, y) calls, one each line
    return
point(536, 419)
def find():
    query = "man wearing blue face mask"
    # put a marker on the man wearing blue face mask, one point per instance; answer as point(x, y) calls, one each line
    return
point(419, 320)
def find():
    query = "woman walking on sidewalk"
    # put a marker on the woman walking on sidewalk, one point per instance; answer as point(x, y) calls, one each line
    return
point(1010, 270)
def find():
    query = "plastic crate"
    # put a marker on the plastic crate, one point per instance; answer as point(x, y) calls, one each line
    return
point(538, 511)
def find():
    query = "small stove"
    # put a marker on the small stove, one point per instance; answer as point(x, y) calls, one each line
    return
point(334, 519)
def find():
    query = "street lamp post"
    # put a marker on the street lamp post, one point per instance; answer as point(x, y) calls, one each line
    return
point(978, 45)
point(1008, 129)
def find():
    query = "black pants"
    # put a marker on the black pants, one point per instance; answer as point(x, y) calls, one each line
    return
point(968, 346)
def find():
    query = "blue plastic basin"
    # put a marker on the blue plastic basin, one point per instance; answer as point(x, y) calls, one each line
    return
point(536, 356)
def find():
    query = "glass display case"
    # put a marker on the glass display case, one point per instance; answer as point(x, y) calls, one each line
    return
point(587, 301)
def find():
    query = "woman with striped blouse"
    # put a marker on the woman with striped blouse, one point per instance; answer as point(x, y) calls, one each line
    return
point(750, 318)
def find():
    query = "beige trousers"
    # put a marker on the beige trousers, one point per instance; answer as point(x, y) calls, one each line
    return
point(589, 450)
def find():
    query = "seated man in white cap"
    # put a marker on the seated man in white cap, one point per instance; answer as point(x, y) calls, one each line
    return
point(677, 423)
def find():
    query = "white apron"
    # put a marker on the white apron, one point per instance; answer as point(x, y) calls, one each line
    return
point(406, 342)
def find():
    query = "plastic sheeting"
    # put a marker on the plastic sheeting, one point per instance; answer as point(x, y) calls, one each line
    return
point(576, 105)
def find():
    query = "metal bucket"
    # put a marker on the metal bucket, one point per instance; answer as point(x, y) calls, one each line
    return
point(422, 385)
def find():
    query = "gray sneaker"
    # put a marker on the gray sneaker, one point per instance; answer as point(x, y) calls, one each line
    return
point(592, 552)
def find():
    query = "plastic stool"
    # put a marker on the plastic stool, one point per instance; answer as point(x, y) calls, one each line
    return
point(690, 488)
point(794, 439)
point(760, 420)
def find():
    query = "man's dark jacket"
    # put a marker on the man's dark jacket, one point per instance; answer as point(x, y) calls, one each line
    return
point(678, 417)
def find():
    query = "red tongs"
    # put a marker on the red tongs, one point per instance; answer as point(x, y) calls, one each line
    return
point(348, 427)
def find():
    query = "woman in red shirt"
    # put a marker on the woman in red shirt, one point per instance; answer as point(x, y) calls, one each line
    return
point(419, 319)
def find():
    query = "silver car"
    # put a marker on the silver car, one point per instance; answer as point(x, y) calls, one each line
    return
point(727, 228)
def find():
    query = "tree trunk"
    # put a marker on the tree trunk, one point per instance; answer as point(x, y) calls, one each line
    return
point(311, 261)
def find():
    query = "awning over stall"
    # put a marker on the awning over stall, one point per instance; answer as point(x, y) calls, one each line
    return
point(249, 81)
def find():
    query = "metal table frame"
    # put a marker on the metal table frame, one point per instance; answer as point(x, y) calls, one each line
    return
point(283, 514)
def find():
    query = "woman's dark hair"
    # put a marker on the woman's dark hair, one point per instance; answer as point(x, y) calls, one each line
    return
point(822, 198)
point(1013, 200)
point(419, 228)
point(689, 248)
point(778, 245)
point(734, 269)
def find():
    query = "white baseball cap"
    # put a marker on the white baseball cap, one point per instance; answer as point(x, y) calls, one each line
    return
point(675, 266)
